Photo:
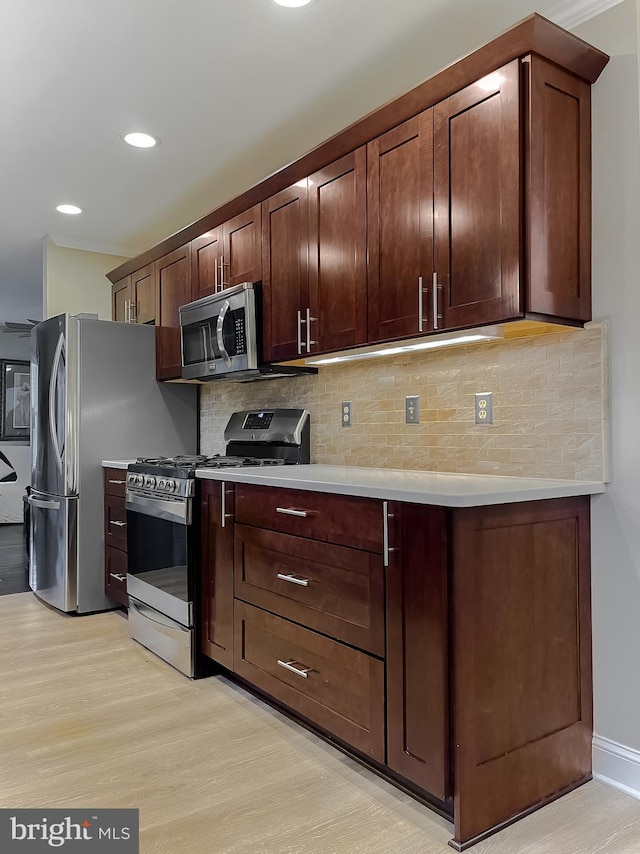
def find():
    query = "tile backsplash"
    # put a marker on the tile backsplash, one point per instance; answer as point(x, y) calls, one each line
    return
point(550, 408)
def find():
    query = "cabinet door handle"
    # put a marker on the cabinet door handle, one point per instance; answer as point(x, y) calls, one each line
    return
point(288, 511)
point(117, 482)
point(436, 315)
point(386, 548)
point(309, 341)
point(299, 671)
point(293, 579)
point(301, 343)
point(223, 284)
point(215, 276)
point(118, 576)
point(133, 311)
point(223, 506)
point(119, 524)
point(421, 293)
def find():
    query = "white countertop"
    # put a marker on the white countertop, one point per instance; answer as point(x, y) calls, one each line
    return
point(116, 464)
point(416, 487)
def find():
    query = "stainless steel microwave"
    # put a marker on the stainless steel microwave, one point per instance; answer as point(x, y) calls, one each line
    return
point(221, 337)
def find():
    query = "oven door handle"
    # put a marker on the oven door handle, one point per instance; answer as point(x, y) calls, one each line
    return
point(160, 508)
point(219, 326)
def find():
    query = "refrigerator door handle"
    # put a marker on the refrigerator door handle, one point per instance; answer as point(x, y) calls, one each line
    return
point(45, 505)
point(53, 386)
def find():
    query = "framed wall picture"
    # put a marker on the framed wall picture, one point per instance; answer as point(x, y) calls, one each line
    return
point(15, 400)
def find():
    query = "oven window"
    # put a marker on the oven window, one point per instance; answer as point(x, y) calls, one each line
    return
point(158, 553)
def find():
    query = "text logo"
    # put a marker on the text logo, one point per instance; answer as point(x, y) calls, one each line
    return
point(33, 831)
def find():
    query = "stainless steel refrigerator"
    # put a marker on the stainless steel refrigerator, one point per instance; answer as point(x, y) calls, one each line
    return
point(94, 397)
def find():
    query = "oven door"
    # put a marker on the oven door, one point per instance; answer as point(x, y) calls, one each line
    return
point(159, 554)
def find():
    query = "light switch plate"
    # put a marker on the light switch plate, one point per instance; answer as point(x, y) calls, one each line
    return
point(346, 413)
point(484, 407)
point(412, 409)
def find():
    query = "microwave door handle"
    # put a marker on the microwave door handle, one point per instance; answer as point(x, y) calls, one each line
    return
point(205, 352)
point(219, 325)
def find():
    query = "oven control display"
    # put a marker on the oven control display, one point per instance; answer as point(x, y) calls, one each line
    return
point(258, 421)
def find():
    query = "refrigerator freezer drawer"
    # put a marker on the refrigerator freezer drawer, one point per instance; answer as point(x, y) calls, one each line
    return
point(169, 640)
point(54, 549)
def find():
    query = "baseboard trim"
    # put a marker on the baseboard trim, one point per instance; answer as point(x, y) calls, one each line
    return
point(616, 765)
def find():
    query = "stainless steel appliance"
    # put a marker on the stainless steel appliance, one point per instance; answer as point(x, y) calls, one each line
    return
point(163, 532)
point(221, 337)
point(94, 397)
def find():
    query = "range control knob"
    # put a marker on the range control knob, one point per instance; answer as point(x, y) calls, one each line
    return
point(149, 481)
point(138, 479)
point(170, 486)
point(162, 484)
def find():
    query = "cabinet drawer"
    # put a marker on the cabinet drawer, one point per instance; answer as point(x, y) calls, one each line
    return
point(336, 687)
point(115, 575)
point(114, 481)
point(341, 519)
point(115, 522)
point(332, 589)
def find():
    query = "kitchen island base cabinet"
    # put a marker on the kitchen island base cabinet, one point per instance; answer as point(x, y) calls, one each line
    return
point(477, 697)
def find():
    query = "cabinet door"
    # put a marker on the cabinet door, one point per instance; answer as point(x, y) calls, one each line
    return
point(121, 300)
point(143, 286)
point(206, 252)
point(115, 575)
point(285, 267)
point(217, 571)
point(558, 193)
point(417, 642)
point(400, 227)
point(478, 199)
point(242, 257)
point(173, 289)
point(338, 253)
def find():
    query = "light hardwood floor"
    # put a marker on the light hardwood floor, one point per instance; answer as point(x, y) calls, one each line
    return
point(90, 719)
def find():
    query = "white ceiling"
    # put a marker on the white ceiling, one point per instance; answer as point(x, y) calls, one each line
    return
point(234, 88)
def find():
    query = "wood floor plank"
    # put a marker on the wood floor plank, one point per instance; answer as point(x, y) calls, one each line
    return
point(89, 718)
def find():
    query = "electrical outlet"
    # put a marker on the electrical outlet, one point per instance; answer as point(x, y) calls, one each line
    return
point(346, 413)
point(484, 407)
point(412, 409)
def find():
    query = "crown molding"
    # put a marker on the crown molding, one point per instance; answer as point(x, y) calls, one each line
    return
point(571, 13)
point(120, 249)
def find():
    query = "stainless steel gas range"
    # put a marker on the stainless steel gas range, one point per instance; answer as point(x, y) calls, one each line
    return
point(163, 531)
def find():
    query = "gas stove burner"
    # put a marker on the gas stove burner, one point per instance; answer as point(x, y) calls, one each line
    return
point(220, 462)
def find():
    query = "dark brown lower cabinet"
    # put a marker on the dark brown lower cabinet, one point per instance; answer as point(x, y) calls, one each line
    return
point(417, 647)
point(115, 536)
point(480, 698)
point(216, 521)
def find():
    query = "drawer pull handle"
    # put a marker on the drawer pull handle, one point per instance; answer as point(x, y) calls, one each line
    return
point(117, 482)
point(288, 511)
point(294, 579)
point(119, 524)
point(117, 576)
point(299, 671)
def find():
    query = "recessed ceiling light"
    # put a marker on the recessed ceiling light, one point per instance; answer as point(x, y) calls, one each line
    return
point(141, 140)
point(69, 209)
point(292, 3)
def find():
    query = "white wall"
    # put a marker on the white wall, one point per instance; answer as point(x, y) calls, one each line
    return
point(75, 281)
point(616, 295)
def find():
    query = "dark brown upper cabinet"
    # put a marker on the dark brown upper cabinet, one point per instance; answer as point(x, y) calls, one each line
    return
point(121, 300)
point(227, 255)
point(143, 287)
point(558, 182)
point(478, 202)
point(285, 272)
point(206, 253)
point(400, 230)
point(338, 254)
point(173, 289)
